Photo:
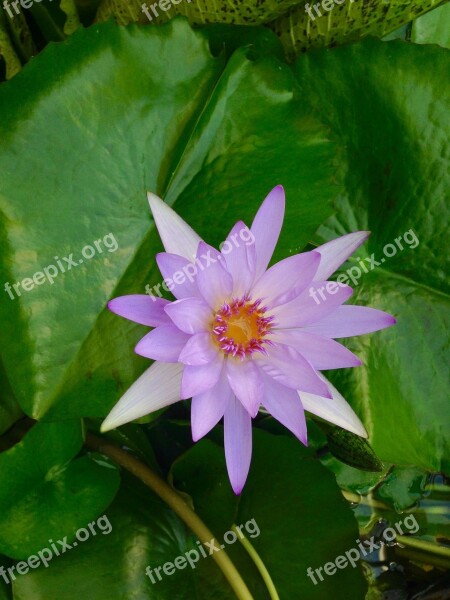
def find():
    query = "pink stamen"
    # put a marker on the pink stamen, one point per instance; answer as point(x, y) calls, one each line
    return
point(262, 324)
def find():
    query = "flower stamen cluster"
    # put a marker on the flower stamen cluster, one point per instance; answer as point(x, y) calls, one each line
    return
point(240, 327)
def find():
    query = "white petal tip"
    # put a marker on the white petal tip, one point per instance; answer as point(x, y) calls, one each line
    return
point(176, 235)
point(355, 426)
point(154, 200)
point(361, 432)
point(106, 426)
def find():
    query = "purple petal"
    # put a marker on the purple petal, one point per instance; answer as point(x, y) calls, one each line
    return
point(176, 235)
point(266, 227)
point(285, 406)
point(288, 367)
point(310, 306)
point(208, 408)
point(347, 321)
point(287, 279)
point(246, 382)
point(335, 410)
point(179, 274)
point(157, 387)
point(191, 315)
point(213, 280)
point(238, 443)
point(337, 251)
point(199, 379)
point(146, 310)
point(321, 352)
point(199, 350)
point(163, 343)
point(240, 258)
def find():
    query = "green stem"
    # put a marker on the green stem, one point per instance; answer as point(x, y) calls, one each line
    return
point(425, 558)
point(176, 503)
point(424, 545)
point(52, 32)
point(258, 562)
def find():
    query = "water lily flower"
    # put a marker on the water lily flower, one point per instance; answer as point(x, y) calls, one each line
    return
point(241, 336)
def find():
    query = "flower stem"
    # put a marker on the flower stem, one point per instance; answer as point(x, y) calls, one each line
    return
point(258, 562)
point(424, 545)
point(176, 503)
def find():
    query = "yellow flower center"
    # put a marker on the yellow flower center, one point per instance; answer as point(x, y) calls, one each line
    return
point(240, 327)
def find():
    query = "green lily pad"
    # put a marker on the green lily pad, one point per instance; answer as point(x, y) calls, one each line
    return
point(295, 505)
point(299, 520)
point(145, 533)
point(393, 160)
point(38, 478)
point(97, 122)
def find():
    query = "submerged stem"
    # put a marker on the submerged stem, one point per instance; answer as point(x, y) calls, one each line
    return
point(176, 503)
point(424, 545)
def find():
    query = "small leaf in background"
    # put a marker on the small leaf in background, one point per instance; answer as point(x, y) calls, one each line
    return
point(124, 11)
point(38, 479)
point(401, 496)
point(199, 12)
point(345, 22)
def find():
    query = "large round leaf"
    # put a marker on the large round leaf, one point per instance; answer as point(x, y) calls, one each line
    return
point(294, 503)
point(302, 519)
point(46, 496)
point(145, 533)
point(87, 128)
point(394, 132)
